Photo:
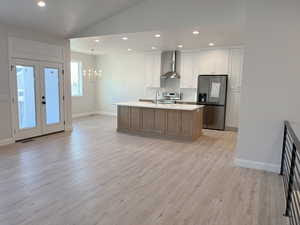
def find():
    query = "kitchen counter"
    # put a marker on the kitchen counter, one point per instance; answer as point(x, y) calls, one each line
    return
point(177, 121)
point(186, 107)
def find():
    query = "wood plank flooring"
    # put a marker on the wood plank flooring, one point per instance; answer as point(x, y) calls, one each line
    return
point(96, 176)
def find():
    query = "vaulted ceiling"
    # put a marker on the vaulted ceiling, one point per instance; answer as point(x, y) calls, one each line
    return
point(168, 40)
point(60, 17)
point(221, 22)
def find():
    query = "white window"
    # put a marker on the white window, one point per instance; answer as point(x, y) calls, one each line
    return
point(76, 79)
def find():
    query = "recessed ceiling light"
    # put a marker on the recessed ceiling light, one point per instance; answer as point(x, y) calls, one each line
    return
point(180, 46)
point(124, 38)
point(211, 44)
point(97, 41)
point(195, 32)
point(129, 49)
point(41, 3)
point(157, 35)
point(153, 48)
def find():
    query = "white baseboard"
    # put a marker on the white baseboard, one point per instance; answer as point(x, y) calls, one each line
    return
point(7, 141)
point(106, 113)
point(78, 115)
point(257, 165)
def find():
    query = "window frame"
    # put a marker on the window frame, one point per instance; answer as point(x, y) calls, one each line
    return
point(80, 71)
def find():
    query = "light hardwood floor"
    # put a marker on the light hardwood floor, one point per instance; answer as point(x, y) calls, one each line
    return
point(96, 176)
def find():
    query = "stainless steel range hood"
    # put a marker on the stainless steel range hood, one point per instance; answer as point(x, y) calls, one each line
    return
point(169, 61)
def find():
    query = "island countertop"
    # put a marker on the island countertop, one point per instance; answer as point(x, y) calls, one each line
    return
point(184, 107)
point(178, 121)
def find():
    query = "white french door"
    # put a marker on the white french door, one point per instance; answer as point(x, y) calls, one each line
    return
point(52, 98)
point(38, 98)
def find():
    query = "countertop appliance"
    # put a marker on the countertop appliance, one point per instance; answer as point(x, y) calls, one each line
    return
point(170, 97)
point(212, 92)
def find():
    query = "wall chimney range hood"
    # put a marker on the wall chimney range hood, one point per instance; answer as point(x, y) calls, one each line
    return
point(169, 62)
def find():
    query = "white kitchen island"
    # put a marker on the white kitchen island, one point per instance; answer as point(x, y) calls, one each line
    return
point(178, 121)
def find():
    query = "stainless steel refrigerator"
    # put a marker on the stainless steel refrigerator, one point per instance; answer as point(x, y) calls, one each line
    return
point(212, 92)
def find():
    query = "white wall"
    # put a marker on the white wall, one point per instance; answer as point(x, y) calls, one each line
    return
point(5, 110)
point(87, 103)
point(122, 80)
point(270, 87)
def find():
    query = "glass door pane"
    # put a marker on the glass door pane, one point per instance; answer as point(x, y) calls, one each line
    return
point(52, 95)
point(25, 77)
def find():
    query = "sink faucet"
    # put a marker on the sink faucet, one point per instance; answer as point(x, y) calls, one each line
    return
point(156, 96)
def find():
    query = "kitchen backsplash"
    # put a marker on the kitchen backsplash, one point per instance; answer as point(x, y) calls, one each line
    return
point(172, 85)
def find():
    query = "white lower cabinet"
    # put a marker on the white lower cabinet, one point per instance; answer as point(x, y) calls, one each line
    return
point(153, 69)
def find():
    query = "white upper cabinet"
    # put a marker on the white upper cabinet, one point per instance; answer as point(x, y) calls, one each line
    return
point(204, 62)
point(156, 70)
point(236, 69)
point(221, 61)
point(210, 62)
point(188, 78)
point(153, 69)
point(148, 70)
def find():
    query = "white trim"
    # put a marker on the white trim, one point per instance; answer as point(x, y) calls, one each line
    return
point(35, 50)
point(257, 165)
point(104, 113)
point(78, 115)
point(7, 141)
